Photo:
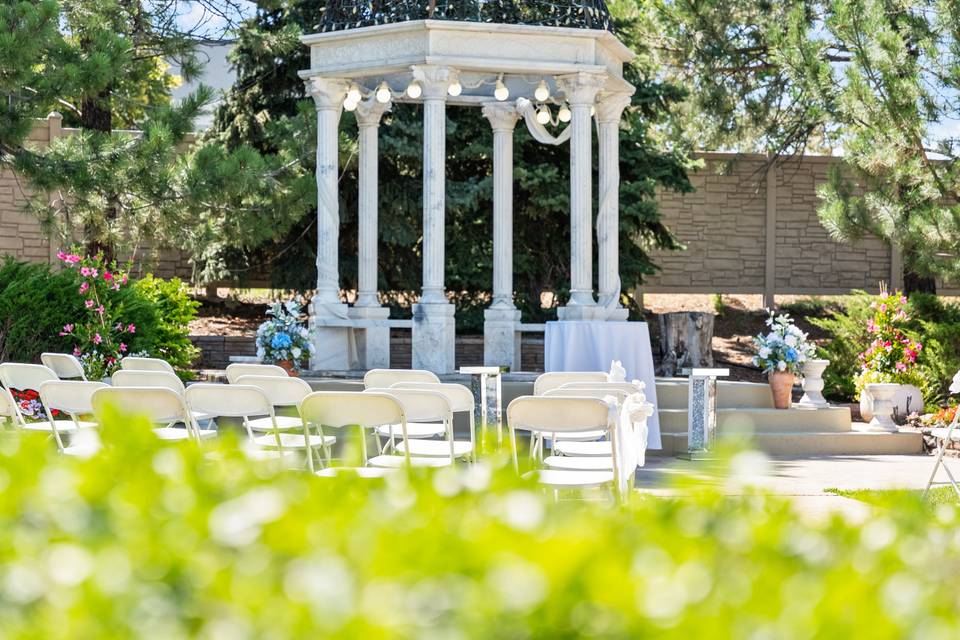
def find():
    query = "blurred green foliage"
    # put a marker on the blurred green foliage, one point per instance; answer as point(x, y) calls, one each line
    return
point(147, 539)
point(37, 301)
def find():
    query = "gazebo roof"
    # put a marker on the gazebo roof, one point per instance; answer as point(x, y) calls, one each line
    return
point(341, 15)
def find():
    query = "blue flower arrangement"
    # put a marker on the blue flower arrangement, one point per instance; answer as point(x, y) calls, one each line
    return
point(283, 337)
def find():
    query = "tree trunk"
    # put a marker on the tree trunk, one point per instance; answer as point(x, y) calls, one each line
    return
point(97, 115)
point(686, 340)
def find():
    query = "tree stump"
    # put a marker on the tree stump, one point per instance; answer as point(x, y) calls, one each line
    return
point(686, 340)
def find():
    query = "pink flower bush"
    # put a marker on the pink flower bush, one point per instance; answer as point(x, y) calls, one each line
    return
point(99, 331)
point(892, 355)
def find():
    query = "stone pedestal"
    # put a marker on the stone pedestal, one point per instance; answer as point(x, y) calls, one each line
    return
point(882, 421)
point(334, 343)
point(813, 385)
point(581, 312)
point(500, 338)
point(433, 337)
point(373, 339)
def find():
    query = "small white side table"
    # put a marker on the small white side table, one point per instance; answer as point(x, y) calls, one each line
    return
point(702, 412)
point(487, 398)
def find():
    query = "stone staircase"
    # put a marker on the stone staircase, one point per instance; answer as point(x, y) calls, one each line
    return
point(745, 410)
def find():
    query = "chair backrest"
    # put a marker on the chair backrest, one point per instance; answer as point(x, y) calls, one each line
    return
point(161, 406)
point(138, 378)
point(238, 369)
point(282, 392)
point(550, 414)
point(65, 365)
point(563, 392)
point(16, 375)
point(345, 408)
point(459, 396)
point(7, 409)
point(555, 379)
point(146, 364)
point(74, 397)
point(420, 405)
point(385, 378)
point(626, 387)
point(230, 400)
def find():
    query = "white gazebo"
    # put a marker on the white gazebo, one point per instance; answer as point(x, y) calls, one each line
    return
point(563, 76)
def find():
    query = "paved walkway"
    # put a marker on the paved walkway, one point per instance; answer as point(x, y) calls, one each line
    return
point(801, 479)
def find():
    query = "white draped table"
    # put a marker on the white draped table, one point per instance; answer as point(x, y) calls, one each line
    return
point(586, 345)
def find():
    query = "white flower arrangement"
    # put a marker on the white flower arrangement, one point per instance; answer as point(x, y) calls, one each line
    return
point(283, 337)
point(784, 348)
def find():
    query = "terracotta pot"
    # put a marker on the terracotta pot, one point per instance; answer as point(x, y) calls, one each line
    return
point(287, 365)
point(781, 385)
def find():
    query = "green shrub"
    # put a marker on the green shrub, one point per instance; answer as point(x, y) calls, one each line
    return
point(147, 539)
point(175, 309)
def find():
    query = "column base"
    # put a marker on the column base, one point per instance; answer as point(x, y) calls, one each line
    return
point(333, 338)
point(617, 314)
point(581, 312)
point(373, 340)
point(500, 338)
point(434, 334)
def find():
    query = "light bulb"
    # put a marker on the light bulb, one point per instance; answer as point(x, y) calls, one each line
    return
point(564, 114)
point(349, 104)
point(542, 91)
point(501, 92)
point(455, 88)
point(414, 90)
point(353, 95)
point(383, 93)
point(543, 114)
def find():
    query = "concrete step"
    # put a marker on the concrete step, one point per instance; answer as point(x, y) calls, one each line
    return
point(672, 394)
point(747, 421)
point(816, 444)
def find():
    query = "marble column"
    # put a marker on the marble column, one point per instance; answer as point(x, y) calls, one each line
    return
point(433, 319)
point(501, 320)
point(581, 90)
point(373, 341)
point(329, 324)
point(609, 111)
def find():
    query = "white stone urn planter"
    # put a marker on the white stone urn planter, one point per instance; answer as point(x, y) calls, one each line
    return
point(882, 395)
point(906, 400)
point(813, 385)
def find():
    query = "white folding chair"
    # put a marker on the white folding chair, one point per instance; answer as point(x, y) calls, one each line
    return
point(460, 398)
point(429, 406)
point(238, 369)
point(22, 377)
point(287, 392)
point(944, 436)
point(162, 406)
point(74, 398)
point(368, 410)
point(553, 415)
point(626, 387)
point(385, 378)
point(146, 364)
point(7, 409)
point(155, 378)
point(65, 365)
point(555, 379)
point(583, 444)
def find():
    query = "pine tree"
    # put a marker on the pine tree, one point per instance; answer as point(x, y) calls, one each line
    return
point(267, 105)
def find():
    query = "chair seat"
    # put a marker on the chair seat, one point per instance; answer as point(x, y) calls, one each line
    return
point(393, 462)
point(600, 448)
point(436, 448)
point(565, 478)
point(580, 463)
point(292, 441)
point(941, 434)
point(175, 434)
point(284, 423)
point(63, 426)
point(577, 436)
point(360, 472)
point(414, 430)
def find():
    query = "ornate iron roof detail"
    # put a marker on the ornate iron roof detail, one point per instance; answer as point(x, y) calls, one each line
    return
point(340, 15)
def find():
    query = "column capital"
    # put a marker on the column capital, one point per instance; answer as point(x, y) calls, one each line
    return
point(610, 106)
point(503, 116)
point(434, 79)
point(581, 88)
point(327, 93)
point(369, 112)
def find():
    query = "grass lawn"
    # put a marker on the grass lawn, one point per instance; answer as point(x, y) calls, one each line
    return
point(937, 495)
